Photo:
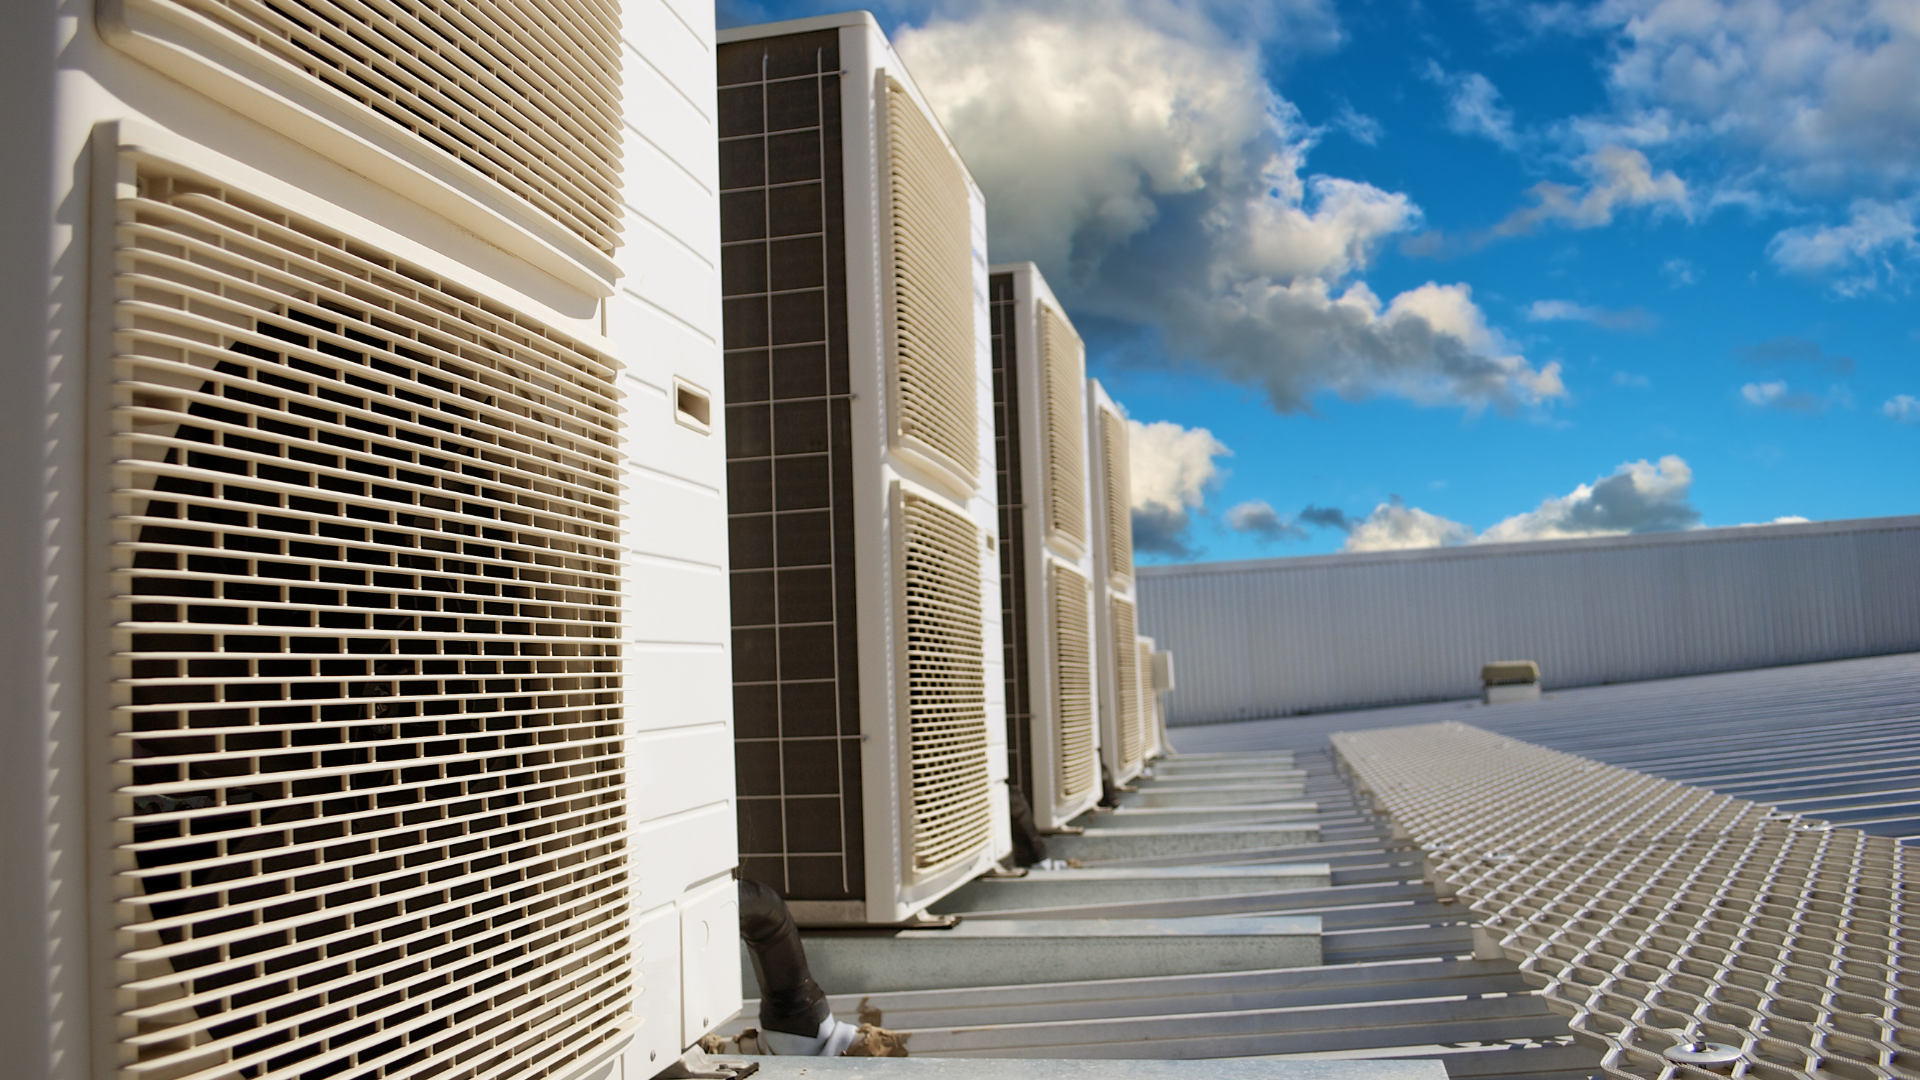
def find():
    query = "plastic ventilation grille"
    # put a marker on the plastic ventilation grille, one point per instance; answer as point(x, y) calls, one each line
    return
point(1066, 429)
point(932, 290)
point(368, 783)
point(1126, 674)
point(1656, 914)
point(946, 684)
point(1119, 477)
point(1076, 770)
point(524, 92)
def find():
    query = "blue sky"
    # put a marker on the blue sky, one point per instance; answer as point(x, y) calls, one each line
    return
point(1395, 274)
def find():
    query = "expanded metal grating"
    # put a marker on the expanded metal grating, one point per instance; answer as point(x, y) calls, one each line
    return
point(524, 92)
point(368, 783)
point(1661, 916)
point(930, 251)
point(946, 685)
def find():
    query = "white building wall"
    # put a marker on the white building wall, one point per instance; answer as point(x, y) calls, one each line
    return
point(1279, 636)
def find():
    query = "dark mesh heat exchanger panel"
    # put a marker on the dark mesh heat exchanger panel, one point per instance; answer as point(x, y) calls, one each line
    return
point(946, 683)
point(1002, 310)
point(523, 92)
point(367, 773)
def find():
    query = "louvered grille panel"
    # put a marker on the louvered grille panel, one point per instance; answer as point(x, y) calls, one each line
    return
point(932, 301)
point(524, 92)
point(1143, 671)
point(1075, 770)
point(946, 683)
point(1119, 496)
point(1066, 429)
point(1126, 674)
point(368, 783)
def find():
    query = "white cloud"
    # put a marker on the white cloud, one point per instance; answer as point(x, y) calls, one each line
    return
point(1473, 105)
point(1874, 240)
point(1778, 395)
point(1173, 467)
point(1631, 380)
point(1617, 177)
point(1902, 409)
point(1358, 126)
point(1568, 311)
point(1395, 526)
point(1679, 273)
point(1826, 92)
point(1256, 516)
point(1136, 152)
point(1636, 497)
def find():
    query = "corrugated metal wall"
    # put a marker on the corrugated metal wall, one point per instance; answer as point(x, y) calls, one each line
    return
point(1281, 636)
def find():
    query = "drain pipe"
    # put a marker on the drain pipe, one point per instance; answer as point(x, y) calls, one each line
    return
point(795, 1019)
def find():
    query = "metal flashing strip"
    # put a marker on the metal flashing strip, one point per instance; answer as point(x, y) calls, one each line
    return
point(1659, 916)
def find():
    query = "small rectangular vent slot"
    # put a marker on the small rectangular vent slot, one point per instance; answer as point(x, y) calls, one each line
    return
point(523, 92)
point(367, 741)
point(1126, 674)
point(1119, 497)
point(1075, 770)
point(692, 407)
point(946, 681)
point(1064, 357)
point(932, 291)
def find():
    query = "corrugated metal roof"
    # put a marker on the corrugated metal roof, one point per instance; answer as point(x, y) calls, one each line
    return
point(1287, 636)
point(1838, 741)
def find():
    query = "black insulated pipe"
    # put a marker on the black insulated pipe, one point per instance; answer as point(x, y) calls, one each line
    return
point(790, 1001)
point(1028, 848)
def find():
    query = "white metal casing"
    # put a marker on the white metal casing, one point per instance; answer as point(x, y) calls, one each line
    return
point(1152, 708)
point(1047, 549)
point(886, 474)
point(1122, 727)
point(157, 90)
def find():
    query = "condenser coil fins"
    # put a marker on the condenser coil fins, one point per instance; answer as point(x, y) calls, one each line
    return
point(523, 92)
point(1075, 763)
point(931, 251)
point(367, 779)
point(946, 683)
point(1066, 430)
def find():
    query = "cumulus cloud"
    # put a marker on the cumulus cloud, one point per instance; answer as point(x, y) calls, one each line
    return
point(1260, 519)
point(1637, 497)
point(1824, 93)
point(1902, 409)
point(1173, 467)
point(1870, 246)
point(1618, 177)
point(1135, 151)
point(1473, 105)
point(1633, 318)
point(1395, 526)
point(1679, 273)
point(1358, 126)
point(1327, 517)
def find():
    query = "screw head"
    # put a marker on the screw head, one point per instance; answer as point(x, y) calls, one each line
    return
point(1702, 1053)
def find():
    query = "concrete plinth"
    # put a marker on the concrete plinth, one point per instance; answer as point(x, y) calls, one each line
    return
point(1094, 885)
point(1012, 952)
point(1174, 817)
point(1111, 843)
point(1219, 795)
point(930, 1068)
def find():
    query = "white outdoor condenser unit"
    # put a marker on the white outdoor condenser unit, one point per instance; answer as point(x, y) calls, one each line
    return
point(1046, 557)
point(1161, 673)
point(867, 661)
point(410, 747)
point(1123, 733)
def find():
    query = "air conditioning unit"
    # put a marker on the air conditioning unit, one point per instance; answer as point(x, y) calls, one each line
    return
point(1123, 733)
point(391, 500)
point(871, 737)
point(1162, 672)
point(1046, 553)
